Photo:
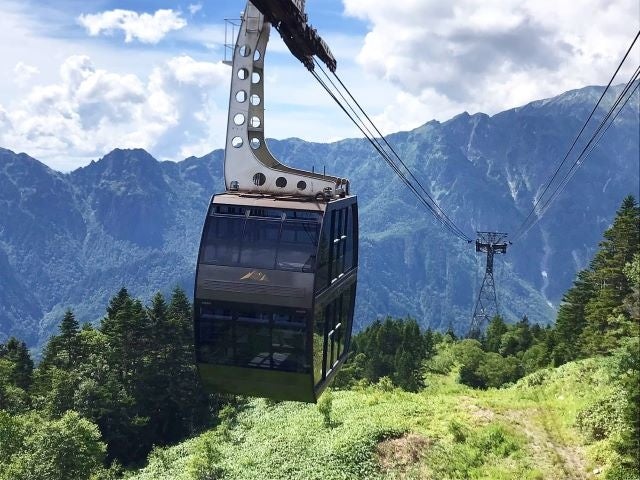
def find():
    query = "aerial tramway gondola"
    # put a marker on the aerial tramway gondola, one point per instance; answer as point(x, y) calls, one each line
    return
point(277, 266)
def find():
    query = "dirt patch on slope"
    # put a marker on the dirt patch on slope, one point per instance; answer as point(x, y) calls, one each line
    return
point(403, 452)
point(481, 415)
point(569, 459)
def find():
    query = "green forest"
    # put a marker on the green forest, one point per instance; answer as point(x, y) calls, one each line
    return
point(122, 399)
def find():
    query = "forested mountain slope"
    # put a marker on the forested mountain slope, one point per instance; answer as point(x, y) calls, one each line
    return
point(522, 401)
point(71, 240)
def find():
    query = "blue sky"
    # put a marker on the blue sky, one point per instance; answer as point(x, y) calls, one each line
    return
point(83, 77)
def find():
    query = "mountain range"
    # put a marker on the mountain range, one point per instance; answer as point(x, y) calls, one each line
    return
point(71, 240)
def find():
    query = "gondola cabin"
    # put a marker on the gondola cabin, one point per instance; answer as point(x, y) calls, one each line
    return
point(277, 265)
point(274, 294)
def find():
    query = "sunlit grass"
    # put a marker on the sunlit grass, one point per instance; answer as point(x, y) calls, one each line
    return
point(526, 431)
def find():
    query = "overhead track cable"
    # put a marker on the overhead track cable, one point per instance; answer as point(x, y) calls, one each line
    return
point(530, 220)
point(590, 146)
point(586, 151)
point(384, 139)
point(377, 145)
point(382, 153)
point(358, 121)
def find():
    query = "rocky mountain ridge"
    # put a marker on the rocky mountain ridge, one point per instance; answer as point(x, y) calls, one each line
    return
point(72, 240)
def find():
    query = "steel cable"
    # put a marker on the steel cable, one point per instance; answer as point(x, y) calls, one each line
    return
point(529, 221)
point(425, 198)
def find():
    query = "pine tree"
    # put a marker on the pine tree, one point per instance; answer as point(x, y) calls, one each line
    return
point(154, 382)
point(571, 319)
point(69, 329)
point(493, 336)
point(605, 318)
point(429, 343)
point(117, 302)
point(17, 353)
point(126, 327)
point(525, 336)
point(409, 356)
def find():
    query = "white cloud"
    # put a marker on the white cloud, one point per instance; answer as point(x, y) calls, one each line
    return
point(22, 73)
point(90, 111)
point(145, 27)
point(4, 119)
point(194, 8)
point(487, 55)
point(204, 74)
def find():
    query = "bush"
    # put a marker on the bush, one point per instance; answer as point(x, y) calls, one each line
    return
point(204, 463)
point(385, 384)
point(459, 431)
point(68, 448)
point(604, 417)
point(534, 358)
point(487, 370)
point(496, 370)
point(621, 472)
point(325, 403)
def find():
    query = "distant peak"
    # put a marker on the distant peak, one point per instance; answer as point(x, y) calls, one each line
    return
point(129, 152)
point(8, 156)
point(128, 156)
point(136, 161)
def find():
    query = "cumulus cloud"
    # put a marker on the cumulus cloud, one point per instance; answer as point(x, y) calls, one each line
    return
point(22, 73)
point(4, 119)
point(91, 111)
point(145, 27)
point(204, 74)
point(487, 55)
point(194, 8)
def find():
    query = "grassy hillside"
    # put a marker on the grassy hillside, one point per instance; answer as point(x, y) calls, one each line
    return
point(556, 423)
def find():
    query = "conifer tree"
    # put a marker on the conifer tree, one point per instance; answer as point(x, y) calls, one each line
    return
point(17, 353)
point(409, 356)
point(65, 348)
point(429, 343)
point(69, 327)
point(187, 391)
point(571, 319)
point(493, 336)
point(117, 302)
point(605, 320)
point(126, 328)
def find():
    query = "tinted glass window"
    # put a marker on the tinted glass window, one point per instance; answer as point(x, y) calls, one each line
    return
point(252, 337)
point(298, 245)
point(303, 215)
point(266, 213)
point(324, 251)
point(319, 344)
point(331, 335)
point(215, 334)
point(348, 254)
point(262, 240)
point(348, 306)
point(230, 210)
point(221, 244)
point(329, 313)
point(259, 243)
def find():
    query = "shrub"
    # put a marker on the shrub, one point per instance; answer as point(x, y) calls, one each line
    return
point(325, 403)
point(204, 463)
point(385, 384)
point(622, 472)
point(459, 431)
point(604, 417)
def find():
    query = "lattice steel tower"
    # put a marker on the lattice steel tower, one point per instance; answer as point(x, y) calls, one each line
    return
point(486, 307)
